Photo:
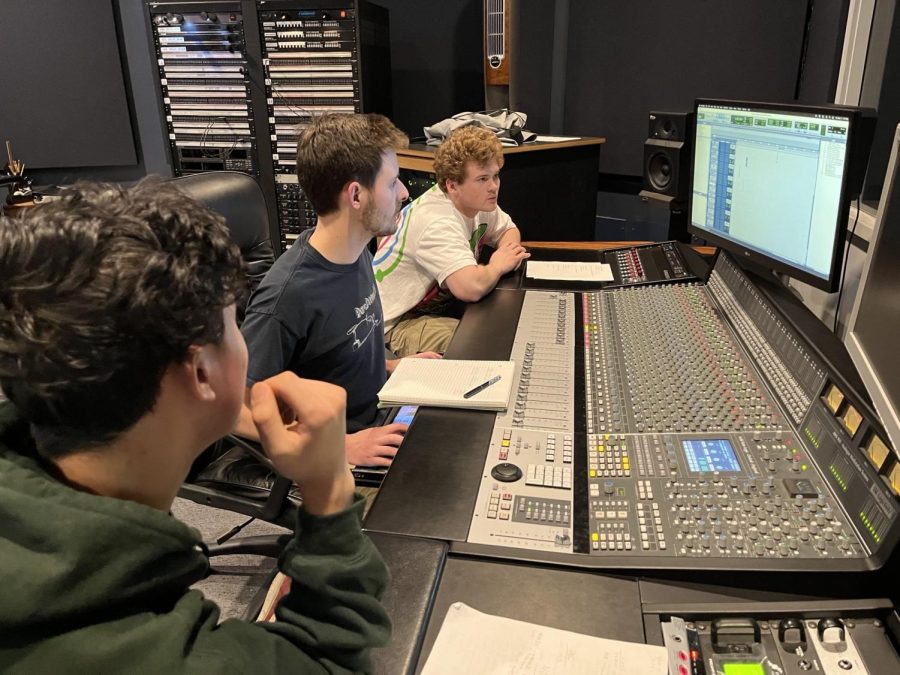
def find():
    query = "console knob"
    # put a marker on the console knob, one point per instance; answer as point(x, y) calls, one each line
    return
point(506, 472)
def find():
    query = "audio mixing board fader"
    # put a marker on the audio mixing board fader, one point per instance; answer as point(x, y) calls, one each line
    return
point(534, 435)
point(699, 426)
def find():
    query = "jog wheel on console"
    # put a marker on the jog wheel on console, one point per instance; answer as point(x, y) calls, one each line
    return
point(506, 472)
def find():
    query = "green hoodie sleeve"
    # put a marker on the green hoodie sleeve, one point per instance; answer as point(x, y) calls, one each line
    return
point(328, 620)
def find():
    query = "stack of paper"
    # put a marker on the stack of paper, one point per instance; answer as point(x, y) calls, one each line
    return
point(482, 385)
point(568, 271)
point(473, 642)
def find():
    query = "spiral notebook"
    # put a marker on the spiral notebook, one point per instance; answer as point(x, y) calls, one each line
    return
point(480, 385)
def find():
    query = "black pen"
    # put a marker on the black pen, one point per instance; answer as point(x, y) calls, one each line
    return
point(482, 387)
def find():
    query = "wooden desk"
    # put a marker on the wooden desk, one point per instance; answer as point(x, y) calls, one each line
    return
point(548, 189)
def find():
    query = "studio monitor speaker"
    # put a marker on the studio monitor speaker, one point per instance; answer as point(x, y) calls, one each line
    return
point(667, 156)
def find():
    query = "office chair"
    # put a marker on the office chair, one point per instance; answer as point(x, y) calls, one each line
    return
point(234, 474)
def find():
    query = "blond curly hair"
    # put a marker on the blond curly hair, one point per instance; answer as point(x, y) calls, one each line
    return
point(469, 143)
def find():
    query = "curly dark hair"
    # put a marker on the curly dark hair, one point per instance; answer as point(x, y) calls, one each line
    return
point(334, 149)
point(102, 291)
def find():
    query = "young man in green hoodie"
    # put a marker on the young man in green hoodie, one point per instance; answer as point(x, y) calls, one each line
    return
point(121, 360)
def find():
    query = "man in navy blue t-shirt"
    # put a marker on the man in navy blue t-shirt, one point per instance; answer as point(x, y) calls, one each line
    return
point(317, 312)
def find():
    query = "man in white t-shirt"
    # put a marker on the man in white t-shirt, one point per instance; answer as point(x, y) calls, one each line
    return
point(432, 258)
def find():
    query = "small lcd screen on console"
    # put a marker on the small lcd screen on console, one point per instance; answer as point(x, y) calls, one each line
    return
point(704, 456)
point(743, 669)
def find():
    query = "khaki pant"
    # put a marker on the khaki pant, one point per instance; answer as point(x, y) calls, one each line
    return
point(421, 334)
point(369, 494)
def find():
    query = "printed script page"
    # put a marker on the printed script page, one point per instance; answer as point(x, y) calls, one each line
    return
point(568, 271)
point(474, 642)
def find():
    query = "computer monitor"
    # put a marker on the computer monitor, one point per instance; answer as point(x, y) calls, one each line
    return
point(875, 320)
point(772, 183)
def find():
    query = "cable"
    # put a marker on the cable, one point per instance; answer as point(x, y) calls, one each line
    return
point(218, 153)
point(837, 307)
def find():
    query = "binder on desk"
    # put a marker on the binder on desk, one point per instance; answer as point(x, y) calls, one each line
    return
point(479, 385)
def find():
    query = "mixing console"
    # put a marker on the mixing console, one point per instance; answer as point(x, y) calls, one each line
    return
point(648, 264)
point(662, 360)
point(683, 421)
point(775, 644)
point(630, 266)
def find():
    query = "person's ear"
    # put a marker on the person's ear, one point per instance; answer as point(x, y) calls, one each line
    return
point(355, 194)
point(452, 186)
point(198, 370)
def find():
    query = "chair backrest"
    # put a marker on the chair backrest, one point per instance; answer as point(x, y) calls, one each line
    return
point(239, 199)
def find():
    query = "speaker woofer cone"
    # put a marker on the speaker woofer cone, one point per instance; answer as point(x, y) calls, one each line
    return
point(659, 171)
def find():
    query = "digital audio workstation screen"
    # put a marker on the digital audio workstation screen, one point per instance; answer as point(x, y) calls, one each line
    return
point(771, 181)
point(704, 456)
